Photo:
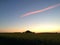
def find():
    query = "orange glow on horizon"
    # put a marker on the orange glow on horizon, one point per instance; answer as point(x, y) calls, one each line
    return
point(37, 28)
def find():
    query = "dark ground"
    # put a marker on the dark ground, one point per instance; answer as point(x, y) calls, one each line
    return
point(29, 39)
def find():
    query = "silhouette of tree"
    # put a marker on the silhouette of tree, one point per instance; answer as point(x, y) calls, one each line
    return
point(28, 31)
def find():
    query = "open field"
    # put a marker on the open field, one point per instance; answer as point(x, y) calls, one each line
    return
point(30, 38)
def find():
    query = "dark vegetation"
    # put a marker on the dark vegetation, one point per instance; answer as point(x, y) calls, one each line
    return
point(29, 38)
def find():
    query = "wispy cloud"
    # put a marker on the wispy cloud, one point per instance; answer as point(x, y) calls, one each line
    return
point(39, 11)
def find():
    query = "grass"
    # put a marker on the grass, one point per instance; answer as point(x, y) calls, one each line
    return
point(30, 38)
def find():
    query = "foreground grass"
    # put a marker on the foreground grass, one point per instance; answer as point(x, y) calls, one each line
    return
point(30, 38)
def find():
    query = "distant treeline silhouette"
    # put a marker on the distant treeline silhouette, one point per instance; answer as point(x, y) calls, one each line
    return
point(29, 38)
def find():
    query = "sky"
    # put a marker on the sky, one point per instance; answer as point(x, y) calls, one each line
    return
point(33, 15)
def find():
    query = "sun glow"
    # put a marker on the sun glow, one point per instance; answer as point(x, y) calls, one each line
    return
point(35, 28)
point(45, 28)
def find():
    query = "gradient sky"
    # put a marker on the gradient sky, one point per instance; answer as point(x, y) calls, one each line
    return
point(11, 10)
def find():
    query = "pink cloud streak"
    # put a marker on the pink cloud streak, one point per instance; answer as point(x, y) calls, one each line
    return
point(39, 11)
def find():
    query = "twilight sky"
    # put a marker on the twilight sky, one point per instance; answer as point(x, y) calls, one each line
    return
point(38, 16)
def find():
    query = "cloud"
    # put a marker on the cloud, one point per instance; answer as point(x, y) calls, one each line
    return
point(39, 11)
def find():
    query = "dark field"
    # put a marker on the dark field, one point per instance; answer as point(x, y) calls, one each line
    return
point(29, 38)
